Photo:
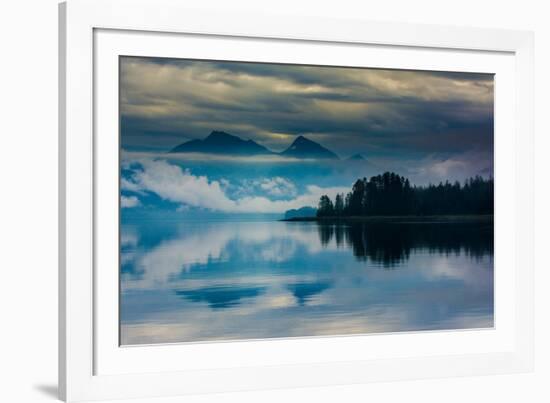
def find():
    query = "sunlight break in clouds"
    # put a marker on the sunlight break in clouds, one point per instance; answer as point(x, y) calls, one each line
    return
point(174, 184)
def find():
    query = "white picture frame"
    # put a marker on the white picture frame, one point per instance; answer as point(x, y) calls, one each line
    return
point(93, 33)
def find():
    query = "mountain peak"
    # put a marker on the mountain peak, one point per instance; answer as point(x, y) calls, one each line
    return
point(303, 147)
point(219, 142)
point(215, 134)
point(302, 140)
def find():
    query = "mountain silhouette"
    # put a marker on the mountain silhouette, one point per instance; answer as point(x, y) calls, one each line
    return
point(219, 142)
point(304, 148)
point(356, 157)
point(302, 212)
point(222, 143)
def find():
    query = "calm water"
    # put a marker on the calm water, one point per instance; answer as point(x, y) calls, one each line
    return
point(197, 281)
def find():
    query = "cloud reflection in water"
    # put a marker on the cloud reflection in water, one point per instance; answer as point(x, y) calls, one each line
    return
point(242, 280)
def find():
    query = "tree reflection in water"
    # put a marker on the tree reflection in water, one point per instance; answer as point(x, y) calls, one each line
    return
point(389, 244)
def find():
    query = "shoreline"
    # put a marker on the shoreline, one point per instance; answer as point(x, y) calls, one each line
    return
point(481, 218)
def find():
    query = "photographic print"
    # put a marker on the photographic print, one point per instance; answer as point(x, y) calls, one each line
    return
point(266, 201)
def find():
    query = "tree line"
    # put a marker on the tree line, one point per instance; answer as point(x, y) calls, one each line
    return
point(392, 194)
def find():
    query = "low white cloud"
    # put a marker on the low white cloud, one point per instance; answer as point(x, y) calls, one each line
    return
point(170, 182)
point(128, 238)
point(278, 186)
point(441, 169)
point(129, 201)
point(435, 168)
point(129, 186)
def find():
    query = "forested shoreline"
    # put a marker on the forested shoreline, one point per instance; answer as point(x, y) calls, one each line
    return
point(390, 194)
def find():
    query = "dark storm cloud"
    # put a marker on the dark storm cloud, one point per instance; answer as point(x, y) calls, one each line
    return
point(307, 74)
point(167, 101)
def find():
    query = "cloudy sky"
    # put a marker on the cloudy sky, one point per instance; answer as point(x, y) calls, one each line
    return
point(428, 126)
point(167, 101)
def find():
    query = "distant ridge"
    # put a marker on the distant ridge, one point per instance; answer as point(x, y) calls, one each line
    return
point(302, 212)
point(305, 148)
point(219, 142)
point(356, 157)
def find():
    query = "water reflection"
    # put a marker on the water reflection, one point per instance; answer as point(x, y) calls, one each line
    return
point(183, 281)
point(390, 244)
point(221, 297)
point(304, 292)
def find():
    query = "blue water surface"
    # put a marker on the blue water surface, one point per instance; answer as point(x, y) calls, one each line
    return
point(187, 281)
